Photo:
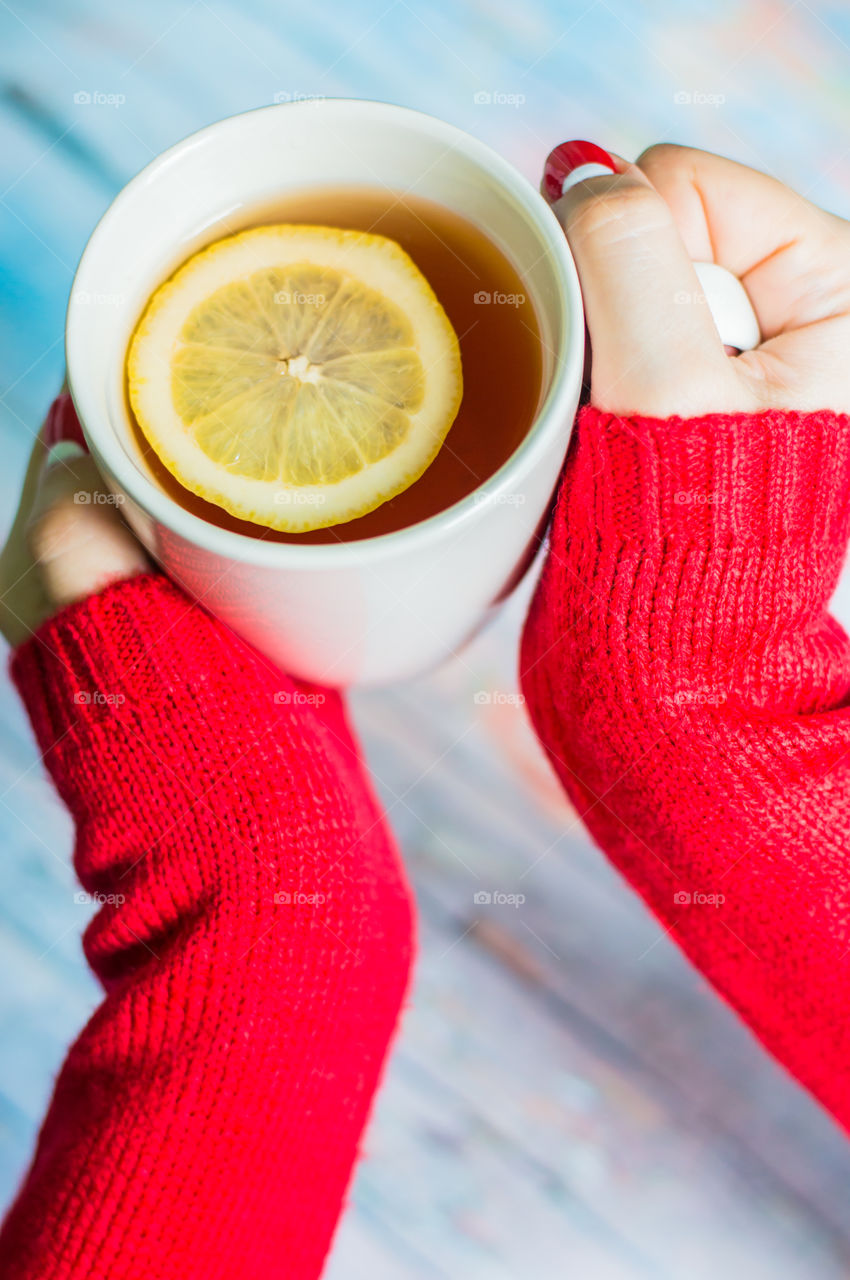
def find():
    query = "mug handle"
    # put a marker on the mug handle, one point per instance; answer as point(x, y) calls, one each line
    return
point(730, 306)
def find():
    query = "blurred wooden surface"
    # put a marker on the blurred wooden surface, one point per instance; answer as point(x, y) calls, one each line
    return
point(567, 1099)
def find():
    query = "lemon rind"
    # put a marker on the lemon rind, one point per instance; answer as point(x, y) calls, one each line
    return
point(392, 272)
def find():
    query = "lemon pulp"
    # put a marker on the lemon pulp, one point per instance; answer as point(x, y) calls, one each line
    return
point(296, 376)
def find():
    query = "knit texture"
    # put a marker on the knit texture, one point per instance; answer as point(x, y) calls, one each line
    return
point(253, 941)
point(684, 674)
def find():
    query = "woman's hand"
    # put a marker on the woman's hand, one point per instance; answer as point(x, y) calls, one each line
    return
point(655, 349)
point(679, 661)
point(68, 539)
point(254, 932)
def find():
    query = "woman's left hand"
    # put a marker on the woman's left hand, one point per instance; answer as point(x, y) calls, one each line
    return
point(68, 539)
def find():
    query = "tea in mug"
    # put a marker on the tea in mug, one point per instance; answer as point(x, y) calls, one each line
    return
point(496, 330)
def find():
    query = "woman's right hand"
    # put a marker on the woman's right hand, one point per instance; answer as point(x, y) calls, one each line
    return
point(679, 661)
point(655, 350)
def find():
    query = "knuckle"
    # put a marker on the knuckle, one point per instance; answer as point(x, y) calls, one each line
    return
point(663, 155)
point(622, 210)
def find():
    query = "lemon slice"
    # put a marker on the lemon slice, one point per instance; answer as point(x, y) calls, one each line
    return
point(296, 376)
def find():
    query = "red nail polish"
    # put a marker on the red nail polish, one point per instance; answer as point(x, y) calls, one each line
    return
point(62, 423)
point(568, 157)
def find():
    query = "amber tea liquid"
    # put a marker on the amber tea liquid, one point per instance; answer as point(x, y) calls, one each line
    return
point(496, 326)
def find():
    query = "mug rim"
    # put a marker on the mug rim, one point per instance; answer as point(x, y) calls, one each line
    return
point(254, 549)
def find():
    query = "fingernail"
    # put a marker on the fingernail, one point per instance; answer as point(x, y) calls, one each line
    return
point(62, 423)
point(572, 162)
point(63, 451)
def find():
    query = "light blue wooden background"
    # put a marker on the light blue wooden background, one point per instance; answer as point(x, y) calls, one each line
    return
point(567, 1099)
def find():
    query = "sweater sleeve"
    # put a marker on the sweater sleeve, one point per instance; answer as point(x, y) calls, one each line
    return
point(693, 694)
point(253, 939)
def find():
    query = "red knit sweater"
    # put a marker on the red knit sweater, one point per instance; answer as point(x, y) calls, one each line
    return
point(689, 686)
point(253, 943)
point(693, 694)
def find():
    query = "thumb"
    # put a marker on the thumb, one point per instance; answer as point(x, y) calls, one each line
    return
point(76, 534)
point(655, 348)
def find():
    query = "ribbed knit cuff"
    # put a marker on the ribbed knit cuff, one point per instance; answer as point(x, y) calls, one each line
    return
point(102, 658)
point(719, 477)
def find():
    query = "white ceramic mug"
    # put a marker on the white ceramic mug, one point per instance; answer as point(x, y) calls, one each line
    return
point(382, 608)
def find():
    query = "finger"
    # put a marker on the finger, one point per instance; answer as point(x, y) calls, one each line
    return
point(22, 599)
point(791, 256)
point(76, 535)
point(61, 423)
point(646, 314)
